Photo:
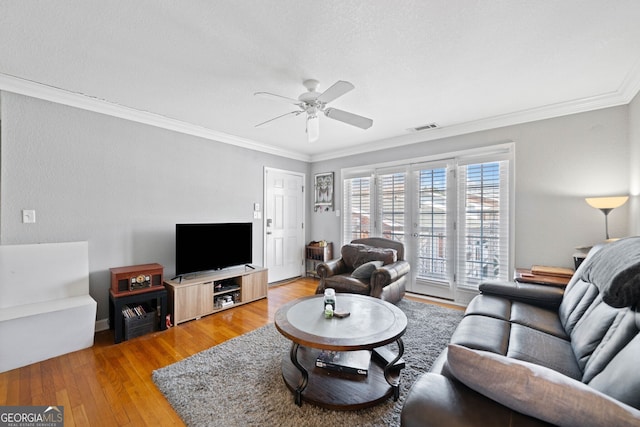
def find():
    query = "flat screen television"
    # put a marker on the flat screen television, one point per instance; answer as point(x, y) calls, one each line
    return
point(205, 247)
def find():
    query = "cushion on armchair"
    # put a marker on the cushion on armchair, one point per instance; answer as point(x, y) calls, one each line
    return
point(365, 271)
point(357, 254)
point(537, 391)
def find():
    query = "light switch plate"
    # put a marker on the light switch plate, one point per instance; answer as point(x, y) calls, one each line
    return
point(28, 216)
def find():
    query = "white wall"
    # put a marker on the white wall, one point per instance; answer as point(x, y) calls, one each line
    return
point(120, 185)
point(558, 162)
point(634, 166)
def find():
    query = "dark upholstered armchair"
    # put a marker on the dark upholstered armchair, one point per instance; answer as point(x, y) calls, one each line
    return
point(374, 266)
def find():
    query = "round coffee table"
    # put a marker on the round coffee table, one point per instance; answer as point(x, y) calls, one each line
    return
point(372, 323)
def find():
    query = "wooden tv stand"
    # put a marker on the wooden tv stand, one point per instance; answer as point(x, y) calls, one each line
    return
point(198, 295)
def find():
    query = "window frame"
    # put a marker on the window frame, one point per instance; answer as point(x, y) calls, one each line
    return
point(496, 152)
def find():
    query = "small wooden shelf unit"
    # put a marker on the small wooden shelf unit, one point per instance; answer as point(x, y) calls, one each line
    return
point(201, 294)
point(315, 255)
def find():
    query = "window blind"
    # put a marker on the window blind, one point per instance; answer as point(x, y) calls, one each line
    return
point(483, 222)
point(357, 209)
point(391, 191)
point(432, 223)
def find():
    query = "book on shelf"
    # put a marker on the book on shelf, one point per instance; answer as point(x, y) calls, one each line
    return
point(353, 362)
point(133, 311)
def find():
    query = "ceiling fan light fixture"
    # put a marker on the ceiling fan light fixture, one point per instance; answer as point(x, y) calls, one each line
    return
point(313, 103)
point(313, 128)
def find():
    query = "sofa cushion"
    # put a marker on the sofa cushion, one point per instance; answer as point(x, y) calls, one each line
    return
point(542, 319)
point(534, 346)
point(615, 270)
point(576, 301)
point(483, 333)
point(617, 379)
point(366, 269)
point(356, 254)
point(490, 306)
point(595, 330)
point(622, 331)
point(537, 391)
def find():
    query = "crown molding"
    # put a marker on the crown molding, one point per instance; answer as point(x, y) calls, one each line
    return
point(629, 88)
point(37, 90)
point(625, 95)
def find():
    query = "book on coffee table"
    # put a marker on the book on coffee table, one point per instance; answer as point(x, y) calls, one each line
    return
point(352, 362)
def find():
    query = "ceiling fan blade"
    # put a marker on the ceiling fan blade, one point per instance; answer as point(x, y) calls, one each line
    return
point(348, 118)
point(282, 115)
point(278, 97)
point(338, 89)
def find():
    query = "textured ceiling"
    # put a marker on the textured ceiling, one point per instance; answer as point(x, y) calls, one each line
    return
point(463, 64)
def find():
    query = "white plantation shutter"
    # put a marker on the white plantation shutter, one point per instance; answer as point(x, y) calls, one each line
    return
point(391, 189)
point(432, 221)
point(357, 209)
point(452, 214)
point(483, 222)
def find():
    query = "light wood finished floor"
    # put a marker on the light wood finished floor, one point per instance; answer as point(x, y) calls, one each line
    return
point(110, 384)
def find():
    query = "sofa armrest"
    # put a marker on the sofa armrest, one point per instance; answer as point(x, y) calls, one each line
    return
point(531, 293)
point(436, 400)
point(331, 268)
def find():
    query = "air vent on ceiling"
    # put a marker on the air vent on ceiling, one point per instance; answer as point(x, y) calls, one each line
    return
point(424, 127)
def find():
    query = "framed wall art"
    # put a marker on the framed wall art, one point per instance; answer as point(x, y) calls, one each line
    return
point(323, 191)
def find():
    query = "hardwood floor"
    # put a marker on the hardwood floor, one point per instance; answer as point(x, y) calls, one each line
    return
point(110, 384)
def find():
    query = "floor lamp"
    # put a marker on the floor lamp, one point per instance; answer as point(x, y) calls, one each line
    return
point(606, 205)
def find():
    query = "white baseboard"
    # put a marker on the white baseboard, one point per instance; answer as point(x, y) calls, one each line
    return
point(102, 325)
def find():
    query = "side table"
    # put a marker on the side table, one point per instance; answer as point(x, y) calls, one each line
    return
point(526, 276)
point(116, 302)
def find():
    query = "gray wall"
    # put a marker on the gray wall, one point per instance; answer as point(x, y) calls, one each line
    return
point(558, 162)
point(120, 185)
point(634, 165)
point(123, 185)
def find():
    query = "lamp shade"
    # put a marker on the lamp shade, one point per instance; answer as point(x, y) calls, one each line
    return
point(606, 202)
point(606, 205)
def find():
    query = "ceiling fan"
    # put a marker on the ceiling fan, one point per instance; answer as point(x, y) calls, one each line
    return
point(312, 102)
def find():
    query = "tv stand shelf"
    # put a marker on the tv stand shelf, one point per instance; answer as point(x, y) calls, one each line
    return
point(197, 295)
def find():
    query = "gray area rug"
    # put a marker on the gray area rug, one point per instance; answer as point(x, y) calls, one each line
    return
point(239, 382)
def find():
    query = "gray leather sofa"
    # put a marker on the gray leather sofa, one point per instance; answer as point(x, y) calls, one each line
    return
point(533, 355)
point(374, 266)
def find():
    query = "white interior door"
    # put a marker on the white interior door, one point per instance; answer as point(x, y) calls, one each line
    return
point(284, 224)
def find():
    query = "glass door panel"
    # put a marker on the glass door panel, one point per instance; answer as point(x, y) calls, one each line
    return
point(432, 231)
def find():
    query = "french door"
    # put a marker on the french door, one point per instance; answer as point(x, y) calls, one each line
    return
point(452, 216)
point(413, 206)
point(432, 240)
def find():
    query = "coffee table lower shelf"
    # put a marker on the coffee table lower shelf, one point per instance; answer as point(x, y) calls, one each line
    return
point(337, 390)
